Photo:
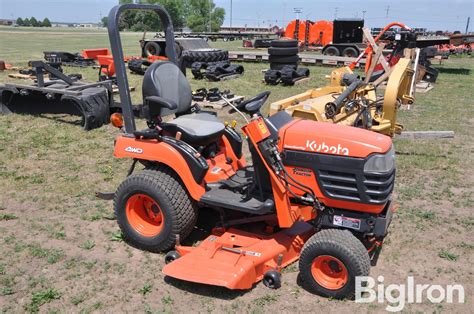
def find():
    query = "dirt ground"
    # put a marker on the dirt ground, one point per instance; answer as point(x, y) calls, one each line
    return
point(61, 249)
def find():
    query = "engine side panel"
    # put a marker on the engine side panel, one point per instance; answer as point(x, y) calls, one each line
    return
point(332, 139)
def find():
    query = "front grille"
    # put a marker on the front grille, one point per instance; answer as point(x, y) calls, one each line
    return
point(356, 185)
point(343, 178)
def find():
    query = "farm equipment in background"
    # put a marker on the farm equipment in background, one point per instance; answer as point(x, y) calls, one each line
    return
point(60, 94)
point(350, 101)
point(68, 59)
point(189, 50)
point(316, 192)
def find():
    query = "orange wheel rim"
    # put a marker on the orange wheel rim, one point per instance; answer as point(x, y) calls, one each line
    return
point(144, 215)
point(329, 272)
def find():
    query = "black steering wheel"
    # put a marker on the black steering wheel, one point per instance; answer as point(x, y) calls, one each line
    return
point(252, 105)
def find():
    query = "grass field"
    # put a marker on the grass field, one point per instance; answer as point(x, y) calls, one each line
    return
point(61, 250)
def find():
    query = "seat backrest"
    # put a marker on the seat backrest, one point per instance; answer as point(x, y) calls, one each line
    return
point(165, 79)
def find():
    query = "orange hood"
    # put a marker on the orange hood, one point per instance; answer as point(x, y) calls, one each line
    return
point(328, 138)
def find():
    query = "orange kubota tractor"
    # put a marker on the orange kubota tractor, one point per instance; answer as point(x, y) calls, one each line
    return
point(317, 192)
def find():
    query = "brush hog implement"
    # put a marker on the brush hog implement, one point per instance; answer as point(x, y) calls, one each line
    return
point(60, 94)
point(315, 192)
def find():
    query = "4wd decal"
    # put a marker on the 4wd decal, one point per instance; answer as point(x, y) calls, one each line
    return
point(135, 150)
point(324, 148)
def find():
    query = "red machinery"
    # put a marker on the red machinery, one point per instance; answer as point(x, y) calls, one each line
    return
point(321, 33)
point(317, 192)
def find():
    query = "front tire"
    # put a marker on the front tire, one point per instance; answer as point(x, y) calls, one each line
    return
point(330, 261)
point(153, 209)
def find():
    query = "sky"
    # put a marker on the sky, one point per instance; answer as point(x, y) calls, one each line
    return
point(434, 15)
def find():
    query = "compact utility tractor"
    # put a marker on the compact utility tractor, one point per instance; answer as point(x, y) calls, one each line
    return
point(317, 192)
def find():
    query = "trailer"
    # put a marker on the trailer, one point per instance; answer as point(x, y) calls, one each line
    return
point(306, 58)
point(193, 41)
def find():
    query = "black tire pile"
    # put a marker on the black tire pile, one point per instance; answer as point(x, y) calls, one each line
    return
point(204, 55)
point(283, 58)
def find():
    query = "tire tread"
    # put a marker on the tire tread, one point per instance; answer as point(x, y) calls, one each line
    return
point(164, 179)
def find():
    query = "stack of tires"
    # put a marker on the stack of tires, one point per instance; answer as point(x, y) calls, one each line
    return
point(283, 58)
point(283, 53)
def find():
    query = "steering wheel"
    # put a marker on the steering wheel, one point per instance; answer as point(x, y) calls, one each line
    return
point(252, 105)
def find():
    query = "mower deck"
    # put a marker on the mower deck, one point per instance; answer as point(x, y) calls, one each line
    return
point(237, 259)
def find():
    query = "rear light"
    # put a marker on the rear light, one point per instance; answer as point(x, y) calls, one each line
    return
point(380, 163)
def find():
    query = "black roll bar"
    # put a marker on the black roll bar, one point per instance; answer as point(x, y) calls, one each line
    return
point(117, 52)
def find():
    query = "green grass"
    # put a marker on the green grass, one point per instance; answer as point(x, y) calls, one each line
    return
point(88, 245)
point(448, 255)
point(145, 289)
point(117, 236)
point(42, 297)
point(7, 217)
point(51, 255)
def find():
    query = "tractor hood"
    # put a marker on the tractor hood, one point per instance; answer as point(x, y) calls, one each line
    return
point(333, 139)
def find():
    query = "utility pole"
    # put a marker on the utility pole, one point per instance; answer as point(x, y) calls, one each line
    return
point(335, 12)
point(386, 11)
point(210, 14)
point(363, 14)
point(298, 11)
point(231, 15)
point(467, 25)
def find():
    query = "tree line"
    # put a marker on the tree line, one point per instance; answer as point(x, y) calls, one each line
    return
point(198, 15)
point(33, 22)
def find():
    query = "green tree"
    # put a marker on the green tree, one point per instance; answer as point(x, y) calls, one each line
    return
point(105, 21)
point(33, 22)
point(176, 10)
point(203, 16)
point(26, 22)
point(46, 22)
point(19, 21)
point(147, 20)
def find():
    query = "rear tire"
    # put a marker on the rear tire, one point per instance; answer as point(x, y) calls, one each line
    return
point(330, 261)
point(153, 208)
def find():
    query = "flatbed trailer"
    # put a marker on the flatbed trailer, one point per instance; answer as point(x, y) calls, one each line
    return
point(306, 58)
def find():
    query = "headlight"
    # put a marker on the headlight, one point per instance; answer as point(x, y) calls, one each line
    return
point(381, 162)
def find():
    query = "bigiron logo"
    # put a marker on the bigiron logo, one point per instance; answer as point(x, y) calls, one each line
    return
point(324, 148)
point(135, 150)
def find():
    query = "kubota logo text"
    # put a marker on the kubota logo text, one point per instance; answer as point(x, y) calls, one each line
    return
point(135, 150)
point(324, 148)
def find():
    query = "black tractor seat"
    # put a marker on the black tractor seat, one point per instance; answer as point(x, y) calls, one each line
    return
point(166, 91)
point(197, 129)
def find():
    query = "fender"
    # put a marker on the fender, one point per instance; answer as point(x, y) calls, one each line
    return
point(152, 150)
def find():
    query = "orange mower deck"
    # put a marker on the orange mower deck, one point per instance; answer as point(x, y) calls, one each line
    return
point(238, 259)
